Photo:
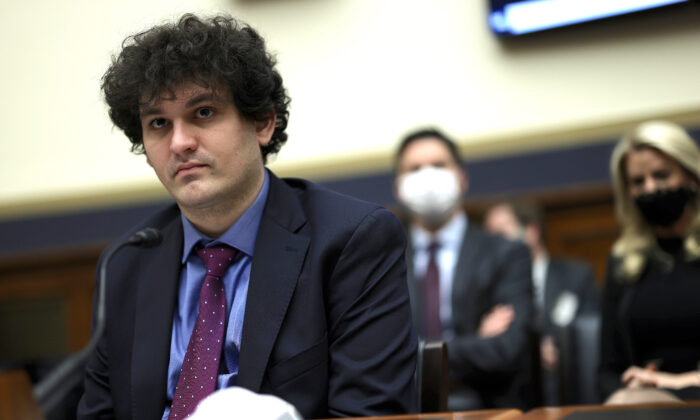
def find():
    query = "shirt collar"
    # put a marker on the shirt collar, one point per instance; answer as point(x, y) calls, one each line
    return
point(450, 235)
point(241, 235)
point(539, 266)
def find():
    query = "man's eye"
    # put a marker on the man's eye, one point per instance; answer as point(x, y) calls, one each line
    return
point(158, 123)
point(204, 112)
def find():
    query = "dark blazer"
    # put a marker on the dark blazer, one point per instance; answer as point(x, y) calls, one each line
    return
point(327, 321)
point(617, 352)
point(490, 270)
point(564, 275)
point(619, 349)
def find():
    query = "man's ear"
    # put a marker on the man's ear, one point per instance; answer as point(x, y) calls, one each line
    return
point(265, 127)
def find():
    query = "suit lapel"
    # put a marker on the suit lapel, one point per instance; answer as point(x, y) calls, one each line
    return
point(157, 294)
point(277, 261)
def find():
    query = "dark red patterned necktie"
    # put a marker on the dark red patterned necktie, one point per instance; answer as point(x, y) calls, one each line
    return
point(201, 363)
point(431, 294)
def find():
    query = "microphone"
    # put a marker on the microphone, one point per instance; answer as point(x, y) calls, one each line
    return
point(55, 386)
point(147, 238)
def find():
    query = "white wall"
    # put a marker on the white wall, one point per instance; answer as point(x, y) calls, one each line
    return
point(360, 73)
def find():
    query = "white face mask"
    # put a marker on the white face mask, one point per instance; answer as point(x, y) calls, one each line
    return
point(429, 192)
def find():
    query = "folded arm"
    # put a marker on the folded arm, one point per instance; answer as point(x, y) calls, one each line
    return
point(511, 289)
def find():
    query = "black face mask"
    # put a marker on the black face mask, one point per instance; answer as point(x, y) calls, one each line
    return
point(664, 207)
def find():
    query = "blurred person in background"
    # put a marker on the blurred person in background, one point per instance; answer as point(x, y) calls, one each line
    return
point(563, 289)
point(651, 315)
point(468, 288)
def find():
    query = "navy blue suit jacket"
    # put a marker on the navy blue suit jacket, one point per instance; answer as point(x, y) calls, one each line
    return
point(327, 322)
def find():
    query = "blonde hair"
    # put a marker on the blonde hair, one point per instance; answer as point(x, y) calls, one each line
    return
point(637, 238)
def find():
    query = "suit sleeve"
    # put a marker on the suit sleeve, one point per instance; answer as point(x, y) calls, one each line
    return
point(96, 402)
point(373, 345)
point(511, 284)
point(613, 358)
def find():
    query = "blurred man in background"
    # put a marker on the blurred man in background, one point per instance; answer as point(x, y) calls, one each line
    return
point(469, 288)
point(562, 289)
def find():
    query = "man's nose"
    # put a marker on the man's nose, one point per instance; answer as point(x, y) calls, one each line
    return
point(183, 138)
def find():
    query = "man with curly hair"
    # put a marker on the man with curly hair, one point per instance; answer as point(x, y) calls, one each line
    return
point(315, 296)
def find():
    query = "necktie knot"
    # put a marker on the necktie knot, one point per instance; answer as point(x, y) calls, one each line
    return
point(217, 259)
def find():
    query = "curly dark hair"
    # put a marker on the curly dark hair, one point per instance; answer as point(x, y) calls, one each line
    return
point(218, 52)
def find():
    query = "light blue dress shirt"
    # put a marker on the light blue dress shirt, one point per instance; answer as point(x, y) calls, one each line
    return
point(241, 236)
point(450, 237)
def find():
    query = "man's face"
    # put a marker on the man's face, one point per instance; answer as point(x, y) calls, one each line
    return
point(202, 150)
point(429, 152)
point(429, 182)
point(501, 220)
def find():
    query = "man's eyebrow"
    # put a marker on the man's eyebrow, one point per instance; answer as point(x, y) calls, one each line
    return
point(206, 96)
point(145, 112)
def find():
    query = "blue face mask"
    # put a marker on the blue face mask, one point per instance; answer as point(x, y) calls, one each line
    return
point(665, 207)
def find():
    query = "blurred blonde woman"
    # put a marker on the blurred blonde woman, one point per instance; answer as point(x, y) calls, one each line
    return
point(650, 332)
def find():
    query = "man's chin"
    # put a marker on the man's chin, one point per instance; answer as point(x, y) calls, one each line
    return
point(192, 197)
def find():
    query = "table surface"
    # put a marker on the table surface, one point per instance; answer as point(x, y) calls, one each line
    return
point(556, 413)
point(494, 414)
point(687, 409)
